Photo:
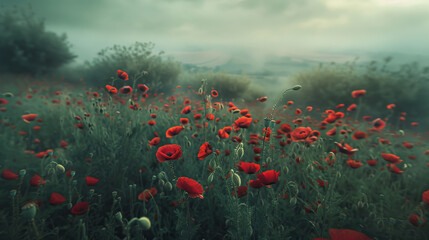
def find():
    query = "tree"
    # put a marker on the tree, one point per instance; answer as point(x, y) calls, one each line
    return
point(27, 48)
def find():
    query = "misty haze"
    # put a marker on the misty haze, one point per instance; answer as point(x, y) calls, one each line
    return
point(223, 119)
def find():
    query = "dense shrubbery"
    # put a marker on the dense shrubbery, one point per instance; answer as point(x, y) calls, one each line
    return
point(27, 48)
point(405, 87)
point(230, 86)
point(138, 60)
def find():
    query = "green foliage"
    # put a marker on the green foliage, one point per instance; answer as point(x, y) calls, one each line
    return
point(229, 86)
point(405, 87)
point(27, 48)
point(138, 60)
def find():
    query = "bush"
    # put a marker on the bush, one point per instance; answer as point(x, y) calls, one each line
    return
point(229, 86)
point(138, 61)
point(27, 48)
point(406, 87)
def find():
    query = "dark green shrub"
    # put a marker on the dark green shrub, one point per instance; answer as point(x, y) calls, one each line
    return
point(27, 48)
point(138, 60)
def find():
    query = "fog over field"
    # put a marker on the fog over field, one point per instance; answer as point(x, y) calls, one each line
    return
point(213, 32)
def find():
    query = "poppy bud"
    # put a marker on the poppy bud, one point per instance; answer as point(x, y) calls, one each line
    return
point(236, 179)
point(72, 173)
point(91, 192)
point(210, 178)
point(29, 211)
point(145, 222)
point(267, 122)
point(293, 200)
point(13, 193)
point(297, 87)
point(114, 194)
point(168, 187)
point(60, 168)
point(22, 172)
point(118, 216)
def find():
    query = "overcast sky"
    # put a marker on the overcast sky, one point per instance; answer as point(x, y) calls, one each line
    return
point(261, 27)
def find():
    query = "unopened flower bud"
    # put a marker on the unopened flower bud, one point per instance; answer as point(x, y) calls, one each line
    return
point(297, 87)
point(13, 193)
point(29, 211)
point(22, 172)
point(145, 222)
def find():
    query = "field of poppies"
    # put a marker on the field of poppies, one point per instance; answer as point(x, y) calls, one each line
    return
point(124, 161)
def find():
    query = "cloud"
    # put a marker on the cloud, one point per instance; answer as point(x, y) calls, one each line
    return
point(275, 26)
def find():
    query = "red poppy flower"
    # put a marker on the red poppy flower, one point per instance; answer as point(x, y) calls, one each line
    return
point(286, 128)
point(298, 111)
point(210, 116)
point(358, 93)
point(407, 145)
point(268, 177)
point(186, 110)
point(56, 199)
point(197, 116)
point(143, 87)
point(416, 220)
point(371, 162)
point(205, 150)
point(154, 141)
point(9, 175)
point(148, 194)
point(343, 234)
point(425, 197)
point(352, 107)
point(36, 180)
point(151, 122)
point(346, 149)
point(332, 132)
point(378, 124)
point(262, 99)
point(126, 90)
point(173, 131)
point(184, 121)
point(257, 183)
point(242, 122)
point(69, 173)
point(214, 93)
point(391, 158)
point(168, 153)
point(192, 187)
point(3, 101)
point(80, 208)
point(300, 133)
point(64, 144)
point(29, 117)
point(122, 75)
point(393, 168)
point(223, 134)
point(359, 135)
point(354, 163)
point(90, 181)
point(241, 191)
point(248, 168)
